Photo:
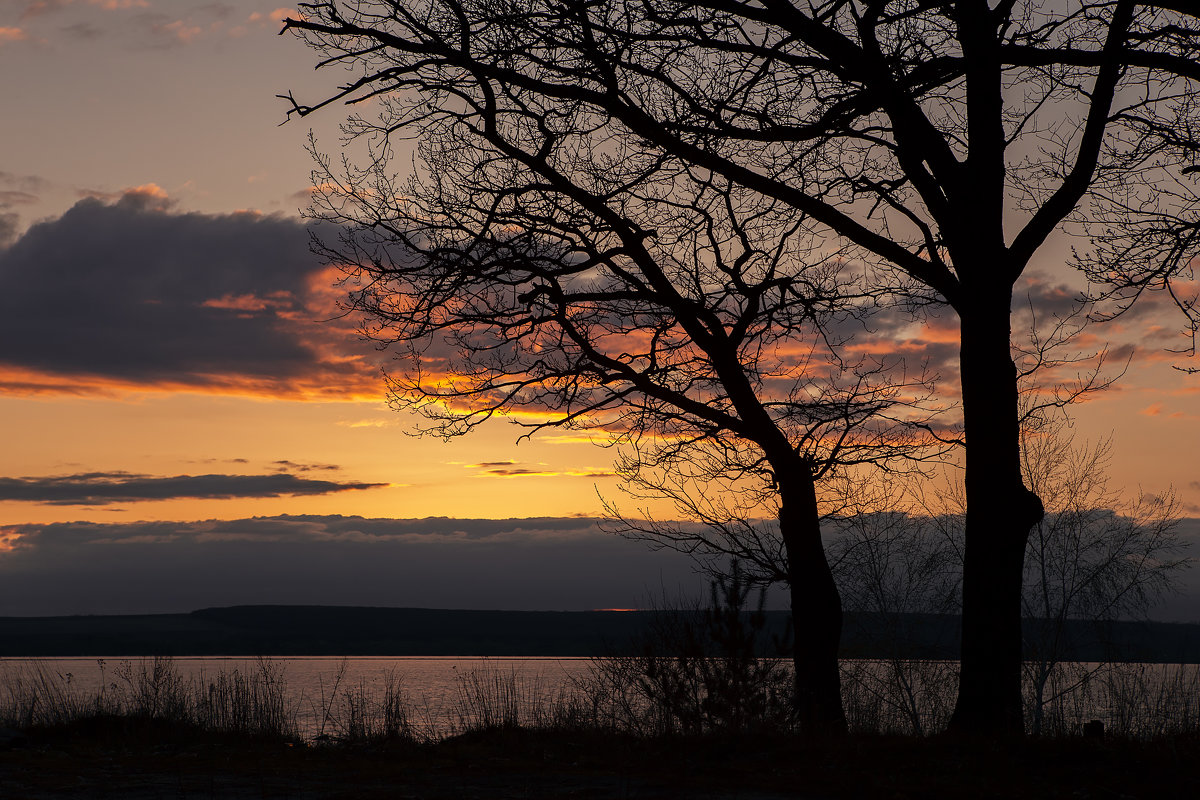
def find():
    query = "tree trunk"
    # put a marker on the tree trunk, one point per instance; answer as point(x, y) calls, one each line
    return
point(816, 608)
point(1001, 511)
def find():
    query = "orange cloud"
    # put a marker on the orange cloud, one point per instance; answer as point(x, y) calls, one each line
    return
point(1152, 410)
point(9, 536)
point(249, 302)
point(116, 5)
point(12, 35)
point(942, 331)
point(180, 30)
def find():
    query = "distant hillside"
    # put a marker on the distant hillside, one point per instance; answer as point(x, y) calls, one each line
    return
point(339, 630)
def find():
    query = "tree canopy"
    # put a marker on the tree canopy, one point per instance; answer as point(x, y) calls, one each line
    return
point(923, 150)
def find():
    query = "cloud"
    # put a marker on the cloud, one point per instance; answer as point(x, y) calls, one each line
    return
point(180, 30)
point(82, 30)
point(8, 199)
point(512, 469)
point(8, 229)
point(104, 488)
point(538, 563)
point(1045, 298)
point(131, 293)
point(12, 35)
point(23, 183)
point(284, 466)
point(38, 8)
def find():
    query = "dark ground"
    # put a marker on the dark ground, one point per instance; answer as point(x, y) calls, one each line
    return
point(141, 761)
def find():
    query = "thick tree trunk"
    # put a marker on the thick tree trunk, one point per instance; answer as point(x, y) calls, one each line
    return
point(816, 608)
point(1001, 511)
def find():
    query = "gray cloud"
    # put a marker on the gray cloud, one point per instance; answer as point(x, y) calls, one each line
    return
point(8, 229)
point(25, 184)
point(546, 563)
point(104, 488)
point(16, 198)
point(134, 292)
point(285, 465)
point(540, 563)
point(1046, 297)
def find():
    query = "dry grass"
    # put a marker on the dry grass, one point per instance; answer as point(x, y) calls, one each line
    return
point(624, 697)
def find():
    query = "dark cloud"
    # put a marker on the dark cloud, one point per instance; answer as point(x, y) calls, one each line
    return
point(25, 184)
point(513, 469)
point(8, 229)
point(520, 472)
point(285, 465)
point(103, 488)
point(1045, 299)
point(538, 563)
point(541, 563)
point(134, 292)
point(82, 30)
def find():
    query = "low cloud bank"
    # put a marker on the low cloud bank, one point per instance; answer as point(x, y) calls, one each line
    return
point(155, 567)
point(547, 563)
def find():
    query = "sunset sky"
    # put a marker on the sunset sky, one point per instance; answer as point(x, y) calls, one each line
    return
point(174, 379)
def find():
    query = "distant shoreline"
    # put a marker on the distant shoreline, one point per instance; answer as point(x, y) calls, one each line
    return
point(376, 631)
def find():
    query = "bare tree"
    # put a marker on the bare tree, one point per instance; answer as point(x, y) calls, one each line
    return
point(1094, 559)
point(942, 141)
point(898, 565)
point(512, 279)
point(1150, 239)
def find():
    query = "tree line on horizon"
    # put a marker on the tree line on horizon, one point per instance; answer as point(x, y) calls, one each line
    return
point(694, 226)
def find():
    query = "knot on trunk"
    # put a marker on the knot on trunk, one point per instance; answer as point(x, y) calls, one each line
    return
point(1029, 509)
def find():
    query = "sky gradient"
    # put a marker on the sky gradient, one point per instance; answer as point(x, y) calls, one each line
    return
point(188, 421)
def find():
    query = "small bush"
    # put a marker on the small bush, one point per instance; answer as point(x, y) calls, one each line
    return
point(697, 671)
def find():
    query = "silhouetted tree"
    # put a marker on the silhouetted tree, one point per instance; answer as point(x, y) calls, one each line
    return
point(536, 265)
point(942, 141)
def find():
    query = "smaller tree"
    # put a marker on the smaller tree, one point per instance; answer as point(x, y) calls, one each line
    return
point(701, 670)
point(896, 566)
point(1095, 558)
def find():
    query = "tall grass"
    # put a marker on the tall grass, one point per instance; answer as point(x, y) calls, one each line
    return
point(1132, 700)
point(355, 712)
point(898, 696)
point(238, 701)
point(491, 698)
point(626, 696)
point(1137, 701)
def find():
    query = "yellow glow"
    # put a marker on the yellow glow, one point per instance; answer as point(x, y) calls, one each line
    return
point(164, 434)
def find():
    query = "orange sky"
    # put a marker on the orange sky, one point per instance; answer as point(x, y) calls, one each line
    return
point(158, 120)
